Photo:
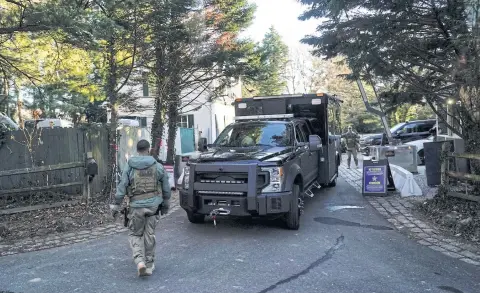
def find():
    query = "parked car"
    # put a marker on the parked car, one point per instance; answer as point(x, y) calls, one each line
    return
point(405, 132)
point(54, 123)
point(8, 123)
point(419, 144)
point(420, 152)
point(48, 123)
point(32, 123)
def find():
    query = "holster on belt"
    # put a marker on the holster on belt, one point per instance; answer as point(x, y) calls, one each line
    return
point(126, 211)
point(125, 217)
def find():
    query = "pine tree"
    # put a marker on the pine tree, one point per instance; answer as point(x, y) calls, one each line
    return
point(427, 48)
point(273, 60)
point(195, 46)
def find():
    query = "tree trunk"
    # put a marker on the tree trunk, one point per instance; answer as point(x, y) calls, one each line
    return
point(158, 122)
point(19, 109)
point(4, 99)
point(172, 128)
point(112, 79)
point(471, 134)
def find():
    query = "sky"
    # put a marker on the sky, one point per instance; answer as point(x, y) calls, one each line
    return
point(283, 15)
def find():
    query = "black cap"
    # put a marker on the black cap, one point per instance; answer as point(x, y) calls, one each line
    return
point(143, 146)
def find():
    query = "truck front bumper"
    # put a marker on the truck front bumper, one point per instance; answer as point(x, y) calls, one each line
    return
point(265, 204)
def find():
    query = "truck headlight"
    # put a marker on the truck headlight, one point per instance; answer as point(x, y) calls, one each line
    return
point(186, 177)
point(276, 179)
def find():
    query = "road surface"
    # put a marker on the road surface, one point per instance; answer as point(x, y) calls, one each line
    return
point(343, 245)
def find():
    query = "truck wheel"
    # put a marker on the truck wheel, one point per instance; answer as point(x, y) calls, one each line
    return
point(293, 216)
point(333, 183)
point(195, 218)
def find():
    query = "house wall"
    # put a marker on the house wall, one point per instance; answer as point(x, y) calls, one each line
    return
point(195, 104)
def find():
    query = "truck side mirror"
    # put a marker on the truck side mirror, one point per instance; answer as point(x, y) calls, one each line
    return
point(314, 142)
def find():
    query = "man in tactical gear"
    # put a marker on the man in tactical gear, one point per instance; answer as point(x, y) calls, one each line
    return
point(145, 182)
point(351, 140)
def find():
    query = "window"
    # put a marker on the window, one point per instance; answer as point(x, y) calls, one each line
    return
point(185, 121)
point(306, 131)
point(410, 128)
point(334, 124)
point(299, 136)
point(142, 121)
point(397, 127)
point(338, 120)
point(425, 127)
point(255, 134)
point(331, 120)
point(318, 129)
point(315, 126)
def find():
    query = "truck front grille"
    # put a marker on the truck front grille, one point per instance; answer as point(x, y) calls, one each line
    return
point(223, 181)
point(222, 178)
point(231, 178)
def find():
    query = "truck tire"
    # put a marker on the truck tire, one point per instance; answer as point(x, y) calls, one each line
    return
point(333, 183)
point(293, 216)
point(195, 218)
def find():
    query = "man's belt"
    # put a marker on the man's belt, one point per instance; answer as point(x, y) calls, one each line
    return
point(143, 196)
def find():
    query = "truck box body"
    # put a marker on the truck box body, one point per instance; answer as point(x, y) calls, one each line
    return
point(305, 106)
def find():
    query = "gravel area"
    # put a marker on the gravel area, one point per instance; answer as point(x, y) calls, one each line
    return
point(61, 226)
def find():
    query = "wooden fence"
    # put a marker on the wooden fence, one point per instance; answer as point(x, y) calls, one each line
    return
point(46, 167)
point(447, 174)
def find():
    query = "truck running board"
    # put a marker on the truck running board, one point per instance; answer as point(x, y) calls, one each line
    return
point(309, 193)
point(315, 185)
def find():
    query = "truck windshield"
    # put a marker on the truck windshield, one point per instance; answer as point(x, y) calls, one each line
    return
point(255, 134)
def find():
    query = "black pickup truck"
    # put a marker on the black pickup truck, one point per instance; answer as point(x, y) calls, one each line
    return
point(279, 149)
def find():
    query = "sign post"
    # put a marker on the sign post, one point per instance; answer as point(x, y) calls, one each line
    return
point(375, 176)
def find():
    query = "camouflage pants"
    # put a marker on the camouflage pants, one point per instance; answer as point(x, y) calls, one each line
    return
point(142, 223)
point(350, 152)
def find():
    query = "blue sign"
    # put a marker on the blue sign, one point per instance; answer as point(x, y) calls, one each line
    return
point(375, 179)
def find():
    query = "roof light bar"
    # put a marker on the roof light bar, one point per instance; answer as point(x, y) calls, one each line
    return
point(276, 97)
point(280, 116)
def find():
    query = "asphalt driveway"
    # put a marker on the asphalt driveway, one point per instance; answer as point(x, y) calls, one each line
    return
point(343, 245)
